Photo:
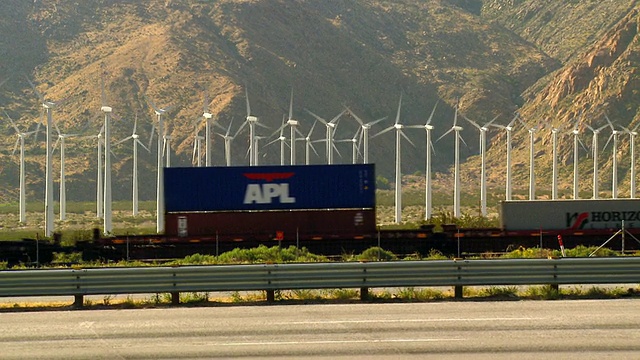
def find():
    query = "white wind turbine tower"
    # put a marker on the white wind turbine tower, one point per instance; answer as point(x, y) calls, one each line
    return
point(532, 176)
point(614, 158)
point(554, 162)
point(632, 144)
point(256, 145)
point(63, 186)
point(427, 172)
point(207, 133)
point(508, 129)
point(48, 106)
point(108, 110)
point(330, 130)
point(398, 187)
point(576, 154)
point(160, 179)
point(595, 152)
point(456, 162)
point(365, 133)
point(99, 184)
point(293, 124)
point(483, 155)
point(555, 130)
point(136, 141)
point(20, 140)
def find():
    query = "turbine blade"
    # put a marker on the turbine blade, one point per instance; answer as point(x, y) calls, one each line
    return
point(316, 116)
point(246, 95)
point(399, 107)
point(377, 121)
point(407, 138)
point(40, 97)
point(141, 144)
point(123, 140)
point(291, 106)
point(15, 146)
point(11, 121)
point(384, 131)
point(433, 112)
point(354, 116)
point(335, 119)
point(445, 134)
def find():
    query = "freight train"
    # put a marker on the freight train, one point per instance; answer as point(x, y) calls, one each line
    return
point(331, 210)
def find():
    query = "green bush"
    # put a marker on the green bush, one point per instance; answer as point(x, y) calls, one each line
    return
point(376, 254)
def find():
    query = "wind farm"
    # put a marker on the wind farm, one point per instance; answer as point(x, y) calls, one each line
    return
point(251, 78)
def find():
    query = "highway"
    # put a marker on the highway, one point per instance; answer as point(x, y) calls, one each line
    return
point(573, 329)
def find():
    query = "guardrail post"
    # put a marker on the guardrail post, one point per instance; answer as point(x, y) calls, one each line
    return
point(78, 301)
point(175, 298)
point(271, 296)
point(458, 291)
point(364, 293)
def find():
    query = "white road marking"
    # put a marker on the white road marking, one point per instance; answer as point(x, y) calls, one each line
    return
point(324, 342)
point(406, 321)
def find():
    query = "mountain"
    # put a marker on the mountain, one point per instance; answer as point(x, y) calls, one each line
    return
point(492, 57)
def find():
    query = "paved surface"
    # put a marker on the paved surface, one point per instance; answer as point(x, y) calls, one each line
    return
point(579, 329)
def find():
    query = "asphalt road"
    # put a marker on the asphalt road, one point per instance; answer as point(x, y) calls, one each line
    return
point(576, 329)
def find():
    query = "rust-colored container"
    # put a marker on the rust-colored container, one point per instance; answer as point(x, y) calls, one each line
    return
point(273, 225)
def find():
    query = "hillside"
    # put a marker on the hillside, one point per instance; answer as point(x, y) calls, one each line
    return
point(362, 53)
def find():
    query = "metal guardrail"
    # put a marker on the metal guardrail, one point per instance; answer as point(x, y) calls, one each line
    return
point(271, 277)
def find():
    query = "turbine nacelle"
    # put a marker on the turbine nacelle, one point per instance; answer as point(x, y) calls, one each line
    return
point(456, 128)
point(207, 115)
point(108, 109)
point(252, 118)
point(291, 122)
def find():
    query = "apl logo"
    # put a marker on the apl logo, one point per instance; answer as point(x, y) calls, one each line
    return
point(267, 192)
point(577, 221)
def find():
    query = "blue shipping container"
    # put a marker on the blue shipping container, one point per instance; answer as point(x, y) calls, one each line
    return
point(269, 188)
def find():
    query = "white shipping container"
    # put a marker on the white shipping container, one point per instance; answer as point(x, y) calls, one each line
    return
point(580, 214)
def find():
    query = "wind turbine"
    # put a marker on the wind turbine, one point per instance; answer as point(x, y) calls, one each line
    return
point(576, 154)
point(227, 142)
point(632, 143)
point(282, 140)
point(508, 128)
point(166, 146)
point(330, 130)
point(532, 176)
point(456, 162)
point(63, 187)
point(427, 172)
point(48, 106)
point(253, 121)
point(365, 133)
point(20, 140)
point(355, 148)
point(108, 110)
point(197, 144)
point(595, 152)
point(293, 125)
point(309, 144)
point(136, 141)
point(207, 132)
point(160, 180)
point(399, 134)
point(99, 185)
point(614, 158)
point(483, 154)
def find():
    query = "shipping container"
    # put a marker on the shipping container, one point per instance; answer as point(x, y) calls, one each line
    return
point(273, 225)
point(573, 215)
point(269, 188)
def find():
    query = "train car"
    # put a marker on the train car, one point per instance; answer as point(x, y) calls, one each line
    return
point(267, 202)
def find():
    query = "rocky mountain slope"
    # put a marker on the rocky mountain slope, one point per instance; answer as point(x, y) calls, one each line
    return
point(547, 59)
